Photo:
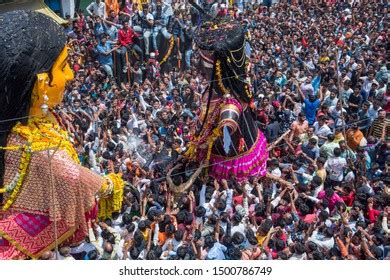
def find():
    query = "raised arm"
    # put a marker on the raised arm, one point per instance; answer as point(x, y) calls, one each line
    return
point(274, 144)
point(183, 187)
point(169, 178)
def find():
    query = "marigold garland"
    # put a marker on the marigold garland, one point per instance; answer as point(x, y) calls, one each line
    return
point(17, 182)
point(169, 51)
point(43, 135)
point(218, 74)
point(111, 196)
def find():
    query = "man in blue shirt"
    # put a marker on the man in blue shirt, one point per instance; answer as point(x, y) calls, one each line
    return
point(104, 50)
point(215, 250)
point(311, 106)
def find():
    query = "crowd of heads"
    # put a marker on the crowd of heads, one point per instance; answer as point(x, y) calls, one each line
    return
point(319, 74)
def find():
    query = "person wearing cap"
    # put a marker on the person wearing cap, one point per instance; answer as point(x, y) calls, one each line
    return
point(152, 67)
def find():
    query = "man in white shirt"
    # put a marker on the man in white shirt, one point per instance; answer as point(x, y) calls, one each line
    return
point(322, 130)
point(335, 166)
point(97, 8)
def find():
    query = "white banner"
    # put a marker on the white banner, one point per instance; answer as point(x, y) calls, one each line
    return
point(197, 270)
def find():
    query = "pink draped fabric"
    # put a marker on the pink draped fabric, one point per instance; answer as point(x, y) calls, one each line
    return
point(250, 163)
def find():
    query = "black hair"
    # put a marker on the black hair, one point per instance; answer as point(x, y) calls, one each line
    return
point(209, 242)
point(138, 238)
point(330, 137)
point(260, 210)
point(179, 235)
point(126, 219)
point(151, 255)
point(282, 255)
point(279, 244)
point(323, 216)
point(337, 152)
point(197, 234)
point(299, 248)
point(111, 238)
point(188, 218)
point(134, 253)
point(92, 255)
point(238, 238)
point(221, 205)
point(142, 225)
point(304, 209)
point(181, 252)
point(329, 192)
point(227, 240)
point(115, 215)
point(30, 44)
point(200, 211)
point(170, 229)
point(317, 181)
point(237, 217)
point(312, 246)
point(377, 251)
point(317, 255)
point(130, 228)
point(234, 253)
point(266, 225)
point(181, 216)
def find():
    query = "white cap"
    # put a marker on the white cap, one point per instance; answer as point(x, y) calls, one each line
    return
point(152, 55)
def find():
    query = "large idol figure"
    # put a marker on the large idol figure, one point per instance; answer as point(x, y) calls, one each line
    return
point(226, 134)
point(46, 196)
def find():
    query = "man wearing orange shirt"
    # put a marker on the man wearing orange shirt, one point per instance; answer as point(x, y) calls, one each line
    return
point(354, 137)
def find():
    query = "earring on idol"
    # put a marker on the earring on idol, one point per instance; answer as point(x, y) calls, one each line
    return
point(44, 106)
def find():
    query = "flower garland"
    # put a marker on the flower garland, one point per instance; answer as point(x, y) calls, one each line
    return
point(40, 135)
point(247, 91)
point(218, 74)
point(171, 45)
point(44, 135)
point(16, 183)
point(111, 196)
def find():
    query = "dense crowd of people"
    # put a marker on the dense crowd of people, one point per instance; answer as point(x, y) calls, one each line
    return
point(319, 74)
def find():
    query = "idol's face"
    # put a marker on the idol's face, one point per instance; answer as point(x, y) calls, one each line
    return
point(61, 73)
